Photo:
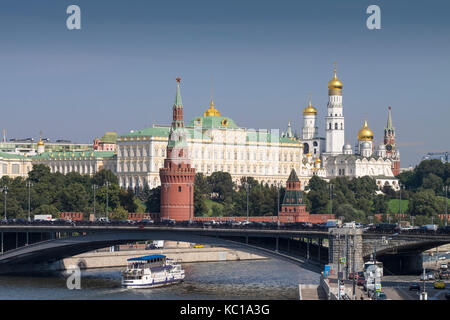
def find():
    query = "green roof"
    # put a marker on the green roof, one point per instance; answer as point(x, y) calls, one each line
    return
point(293, 176)
point(75, 154)
point(109, 137)
point(11, 156)
point(218, 122)
point(149, 132)
point(292, 198)
point(265, 136)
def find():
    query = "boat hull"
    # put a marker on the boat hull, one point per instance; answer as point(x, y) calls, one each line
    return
point(150, 282)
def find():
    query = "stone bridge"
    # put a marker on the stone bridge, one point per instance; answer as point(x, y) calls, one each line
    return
point(400, 253)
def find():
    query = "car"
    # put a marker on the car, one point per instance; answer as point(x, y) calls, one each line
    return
point(414, 286)
point(442, 258)
point(151, 246)
point(444, 266)
point(380, 296)
point(361, 281)
point(439, 284)
point(427, 276)
point(351, 276)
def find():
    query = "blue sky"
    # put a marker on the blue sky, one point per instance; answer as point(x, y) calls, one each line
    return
point(260, 58)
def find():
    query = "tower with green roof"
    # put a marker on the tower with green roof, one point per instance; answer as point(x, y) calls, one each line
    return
point(177, 176)
point(293, 207)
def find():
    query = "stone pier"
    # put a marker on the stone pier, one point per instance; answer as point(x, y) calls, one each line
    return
point(346, 243)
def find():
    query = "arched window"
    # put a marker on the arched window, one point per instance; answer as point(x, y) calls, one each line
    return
point(336, 125)
point(305, 148)
point(329, 126)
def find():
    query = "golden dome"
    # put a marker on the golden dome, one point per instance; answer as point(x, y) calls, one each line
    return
point(40, 142)
point(334, 85)
point(309, 154)
point(309, 110)
point(365, 134)
point(317, 160)
point(211, 112)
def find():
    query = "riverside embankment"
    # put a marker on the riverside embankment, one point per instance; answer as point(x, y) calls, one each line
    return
point(91, 260)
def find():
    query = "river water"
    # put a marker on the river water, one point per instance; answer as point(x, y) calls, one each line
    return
point(255, 279)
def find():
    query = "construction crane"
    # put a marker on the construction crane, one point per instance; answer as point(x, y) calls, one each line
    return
point(443, 156)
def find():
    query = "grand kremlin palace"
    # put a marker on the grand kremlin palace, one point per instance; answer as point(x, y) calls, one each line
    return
point(216, 143)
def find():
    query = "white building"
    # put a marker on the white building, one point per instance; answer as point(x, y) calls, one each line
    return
point(338, 159)
point(216, 143)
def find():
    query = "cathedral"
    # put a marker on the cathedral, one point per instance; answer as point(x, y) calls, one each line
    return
point(331, 157)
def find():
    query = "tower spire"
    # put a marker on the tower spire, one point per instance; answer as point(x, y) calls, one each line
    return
point(178, 94)
point(335, 76)
point(177, 110)
point(389, 120)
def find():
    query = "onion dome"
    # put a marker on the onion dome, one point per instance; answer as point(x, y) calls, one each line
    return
point(40, 142)
point(347, 147)
point(317, 160)
point(335, 85)
point(365, 134)
point(309, 110)
point(211, 112)
point(309, 154)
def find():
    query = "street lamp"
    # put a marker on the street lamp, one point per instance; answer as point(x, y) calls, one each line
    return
point(94, 187)
point(400, 199)
point(445, 188)
point(29, 185)
point(278, 206)
point(167, 186)
point(247, 187)
point(5, 191)
point(107, 184)
point(330, 186)
point(190, 204)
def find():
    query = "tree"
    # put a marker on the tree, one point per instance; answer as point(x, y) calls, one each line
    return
point(222, 184)
point(73, 198)
point(432, 181)
point(425, 203)
point(127, 200)
point(317, 195)
point(47, 209)
point(101, 177)
point(349, 213)
point(119, 213)
point(153, 203)
point(380, 204)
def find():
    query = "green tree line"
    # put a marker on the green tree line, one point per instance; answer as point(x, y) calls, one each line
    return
point(52, 193)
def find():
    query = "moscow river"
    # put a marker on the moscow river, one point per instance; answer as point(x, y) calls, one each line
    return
point(255, 279)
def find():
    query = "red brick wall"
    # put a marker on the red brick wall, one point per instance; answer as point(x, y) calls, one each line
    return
point(74, 216)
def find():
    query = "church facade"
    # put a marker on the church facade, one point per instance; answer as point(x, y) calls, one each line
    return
point(331, 157)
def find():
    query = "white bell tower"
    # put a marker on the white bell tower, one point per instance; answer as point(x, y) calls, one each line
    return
point(335, 134)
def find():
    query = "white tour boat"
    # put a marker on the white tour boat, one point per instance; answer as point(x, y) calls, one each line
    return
point(151, 271)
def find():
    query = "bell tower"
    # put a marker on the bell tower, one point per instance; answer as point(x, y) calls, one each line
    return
point(335, 134)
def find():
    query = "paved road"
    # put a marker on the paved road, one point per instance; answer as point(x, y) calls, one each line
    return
point(397, 288)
